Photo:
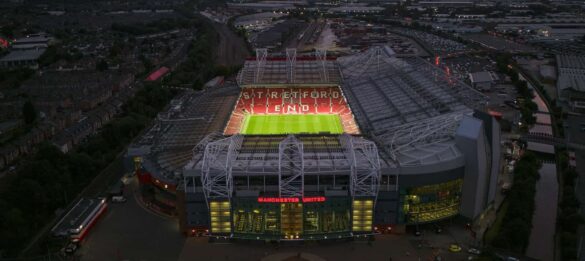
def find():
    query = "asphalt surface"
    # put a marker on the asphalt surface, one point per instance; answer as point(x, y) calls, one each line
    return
point(231, 50)
point(395, 247)
point(130, 232)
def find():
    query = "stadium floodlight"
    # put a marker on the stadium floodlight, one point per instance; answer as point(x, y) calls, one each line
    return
point(365, 165)
point(321, 55)
point(261, 55)
point(291, 63)
point(291, 167)
point(216, 170)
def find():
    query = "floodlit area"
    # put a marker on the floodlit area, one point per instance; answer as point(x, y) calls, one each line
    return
point(285, 124)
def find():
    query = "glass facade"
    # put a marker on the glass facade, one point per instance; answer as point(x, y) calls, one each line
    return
point(430, 202)
point(291, 220)
point(219, 212)
point(252, 218)
point(363, 211)
point(309, 220)
point(327, 217)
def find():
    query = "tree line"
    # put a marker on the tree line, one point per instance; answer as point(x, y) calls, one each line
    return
point(568, 217)
point(517, 222)
point(504, 65)
point(199, 65)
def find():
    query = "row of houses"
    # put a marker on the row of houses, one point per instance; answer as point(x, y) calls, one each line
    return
point(92, 122)
point(26, 144)
point(68, 127)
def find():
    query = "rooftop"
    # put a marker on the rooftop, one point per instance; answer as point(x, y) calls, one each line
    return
point(404, 103)
point(310, 69)
point(571, 72)
point(23, 55)
point(168, 145)
point(78, 215)
point(480, 77)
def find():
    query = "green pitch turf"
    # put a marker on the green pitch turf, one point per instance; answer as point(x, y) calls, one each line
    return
point(291, 124)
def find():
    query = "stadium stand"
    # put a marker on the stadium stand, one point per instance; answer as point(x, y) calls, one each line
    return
point(316, 100)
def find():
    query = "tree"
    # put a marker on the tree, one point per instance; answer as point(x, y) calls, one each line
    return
point(102, 65)
point(29, 112)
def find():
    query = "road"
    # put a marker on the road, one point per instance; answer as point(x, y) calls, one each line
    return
point(232, 50)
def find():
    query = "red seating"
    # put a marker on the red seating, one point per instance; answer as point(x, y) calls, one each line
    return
point(258, 109)
point(312, 100)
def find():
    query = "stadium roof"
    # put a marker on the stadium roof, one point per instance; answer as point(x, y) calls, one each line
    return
point(407, 109)
point(406, 105)
point(168, 145)
point(23, 55)
point(288, 68)
point(571, 72)
point(481, 77)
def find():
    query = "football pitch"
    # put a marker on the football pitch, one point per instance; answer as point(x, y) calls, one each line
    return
point(291, 124)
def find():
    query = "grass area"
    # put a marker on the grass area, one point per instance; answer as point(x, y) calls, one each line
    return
point(494, 229)
point(284, 124)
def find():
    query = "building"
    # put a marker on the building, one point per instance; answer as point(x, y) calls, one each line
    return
point(418, 150)
point(356, 9)
point(257, 20)
point(77, 223)
point(262, 6)
point(571, 80)
point(483, 80)
point(454, 28)
point(22, 58)
point(32, 41)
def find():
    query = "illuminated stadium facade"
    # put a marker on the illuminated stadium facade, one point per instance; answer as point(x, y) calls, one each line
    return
point(312, 147)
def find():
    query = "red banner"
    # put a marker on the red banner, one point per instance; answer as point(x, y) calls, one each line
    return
point(290, 200)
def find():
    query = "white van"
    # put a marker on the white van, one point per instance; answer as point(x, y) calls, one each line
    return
point(118, 199)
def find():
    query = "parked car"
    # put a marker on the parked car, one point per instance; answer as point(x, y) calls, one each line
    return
point(454, 248)
point(70, 248)
point(118, 199)
point(474, 251)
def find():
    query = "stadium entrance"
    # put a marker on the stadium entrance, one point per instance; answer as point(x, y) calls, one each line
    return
point(292, 218)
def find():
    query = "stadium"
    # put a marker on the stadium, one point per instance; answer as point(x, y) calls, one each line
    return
point(313, 147)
